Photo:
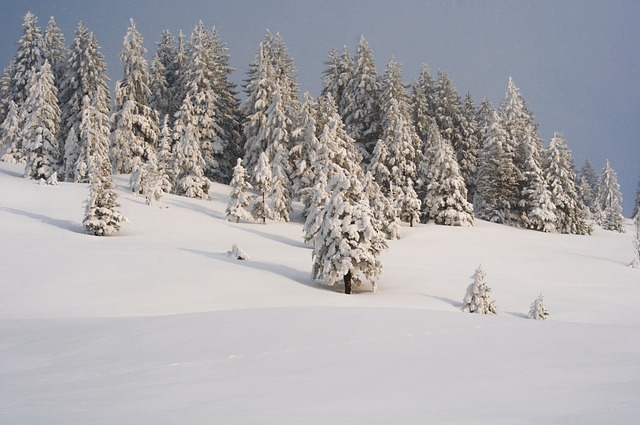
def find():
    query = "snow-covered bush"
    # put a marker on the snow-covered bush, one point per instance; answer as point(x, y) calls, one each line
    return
point(239, 198)
point(477, 298)
point(538, 311)
point(237, 253)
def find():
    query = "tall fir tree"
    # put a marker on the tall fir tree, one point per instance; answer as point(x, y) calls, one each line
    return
point(55, 51)
point(165, 156)
point(588, 182)
point(361, 99)
point(561, 177)
point(445, 200)
point(337, 75)
point(610, 200)
point(84, 86)
point(188, 164)
point(347, 247)
point(27, 61)
point(395, 156)
point(259, 207)
point(423, 102)
point(41, 117)
point(93, 137)
point(135, 130)
point(496, 183)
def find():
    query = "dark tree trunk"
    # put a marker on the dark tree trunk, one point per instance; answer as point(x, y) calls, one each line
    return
point(347, 282)
point(264, 208)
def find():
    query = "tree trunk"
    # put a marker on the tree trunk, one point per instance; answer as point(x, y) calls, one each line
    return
point(264, 207)
point(347, 282)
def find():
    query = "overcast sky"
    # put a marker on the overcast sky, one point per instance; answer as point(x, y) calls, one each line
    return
point(577, 62)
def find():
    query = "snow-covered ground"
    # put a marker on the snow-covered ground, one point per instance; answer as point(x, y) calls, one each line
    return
point(158, 325)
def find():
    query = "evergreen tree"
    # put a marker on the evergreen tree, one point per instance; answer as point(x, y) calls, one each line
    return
point(135, 124)
point(347, 246)
point(496, 182)
point(610, 200)
point(385, 212)
point(239, 198)
point(445, 200)
point(524, 147)
point(450, 115)
point(304, 153)
point(561, 177)
point(101, 217)
point(55, 51)
point(588, 183)
point(477, 298)
point(259, 207)
point(188, 161)
point(165, 156)
point(409, 205)
point(166, 67)
point(10, 137)
point(361, 96)
point(27, 61)
point(423, 101)
point(83, 86)
point(159, 96)
point(394, 157)
point(93, 137)
point(41, 117)
point(538, 310)
point(337, 75)
point(151, 181)
point(467, 152)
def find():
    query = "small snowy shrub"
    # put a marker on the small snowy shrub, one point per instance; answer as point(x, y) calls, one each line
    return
point(237, 253)
point(538, 311)
point(101, 217)
point(477, 298)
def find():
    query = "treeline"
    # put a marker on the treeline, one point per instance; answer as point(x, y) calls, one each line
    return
point(417, 152)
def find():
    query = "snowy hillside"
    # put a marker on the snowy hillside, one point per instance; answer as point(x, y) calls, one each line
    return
point(159, 325)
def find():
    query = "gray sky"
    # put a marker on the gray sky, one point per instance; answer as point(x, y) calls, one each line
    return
point(577, 62)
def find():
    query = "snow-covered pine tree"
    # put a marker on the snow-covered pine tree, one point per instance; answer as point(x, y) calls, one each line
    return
point(337, 74)
point(361, 98)
point(240, 197)
point(188, 165)
point(165, 156)
point(164, 76)
point(610, 200)
point(151, 181)
point(423, 101)
point(496, 182)
point(525, 148)
point(336, 152)
point(467, 152)
point(385, 212)
point(588, 183)
point(409, 205)
point(259, 207)
point(304, 153)
point(55, 51)
point(135, 125)
point(279, 197)
point(10, 137)
point(101, 217)
point(561, 178)
point(477, 299)
point(538, 310)
point(27, 61)
point(445, 201)
point(83, 86)
point(93, 140)
point(41, 118)
point(347, 247)
point(451, 119)
point(215, 106)
point(159, 95)
point(394, 158)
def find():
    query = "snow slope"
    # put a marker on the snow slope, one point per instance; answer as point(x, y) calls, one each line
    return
point(158, 325)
